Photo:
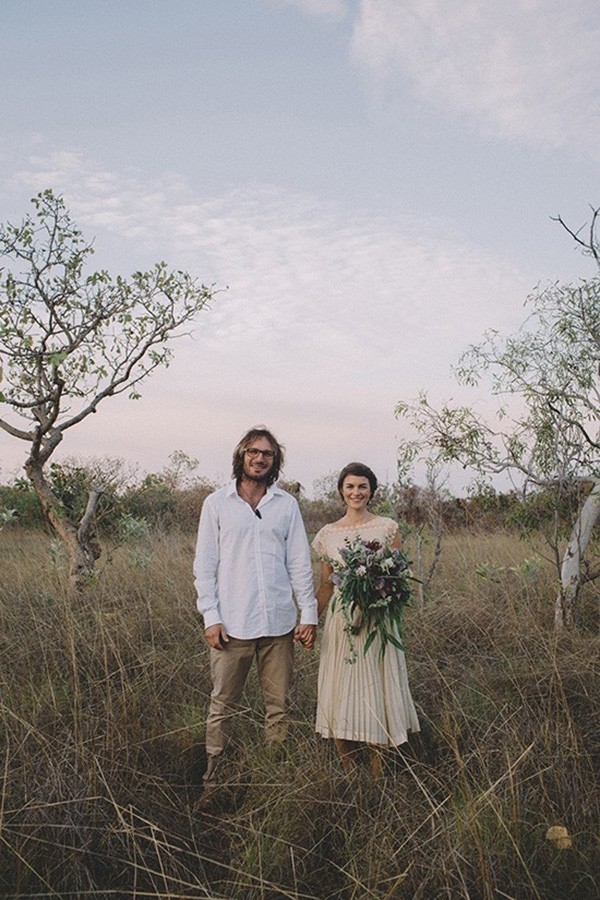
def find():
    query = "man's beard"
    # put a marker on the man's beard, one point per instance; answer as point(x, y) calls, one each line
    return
point(257, 479)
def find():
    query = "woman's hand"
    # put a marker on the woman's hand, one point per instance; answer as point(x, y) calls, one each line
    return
point(306, 635)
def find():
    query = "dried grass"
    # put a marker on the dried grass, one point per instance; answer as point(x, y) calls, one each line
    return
point(102, 709)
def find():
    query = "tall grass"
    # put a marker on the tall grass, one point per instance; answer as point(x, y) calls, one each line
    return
point(102, 704)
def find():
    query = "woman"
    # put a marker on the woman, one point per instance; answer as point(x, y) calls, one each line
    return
point(366, 700)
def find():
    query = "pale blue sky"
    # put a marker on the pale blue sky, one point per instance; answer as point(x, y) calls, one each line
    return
point(373, 179)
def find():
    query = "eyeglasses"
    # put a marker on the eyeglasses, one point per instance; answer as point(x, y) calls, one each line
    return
point(253, 452)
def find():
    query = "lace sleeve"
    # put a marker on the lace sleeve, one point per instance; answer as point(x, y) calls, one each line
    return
point(318, 544)
point(392, 531)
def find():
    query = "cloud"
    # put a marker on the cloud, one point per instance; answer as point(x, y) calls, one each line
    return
point(330, 317)
point(327, 9)
point(524, 70)
point(300, 272)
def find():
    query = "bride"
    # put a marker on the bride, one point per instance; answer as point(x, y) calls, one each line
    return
point(366, 700)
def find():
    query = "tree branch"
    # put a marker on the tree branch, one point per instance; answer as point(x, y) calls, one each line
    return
point(591, 244)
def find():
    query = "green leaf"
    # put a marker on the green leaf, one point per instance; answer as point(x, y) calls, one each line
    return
point(369, 641)
point(394, 640)
point(57, 358)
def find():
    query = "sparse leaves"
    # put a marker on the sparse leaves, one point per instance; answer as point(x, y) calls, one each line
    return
point(546, 382)
point(70, 338)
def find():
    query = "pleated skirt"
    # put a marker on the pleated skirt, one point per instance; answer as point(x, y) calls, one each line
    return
point(362, 697)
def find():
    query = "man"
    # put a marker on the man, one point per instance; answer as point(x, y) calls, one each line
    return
point(252, 558)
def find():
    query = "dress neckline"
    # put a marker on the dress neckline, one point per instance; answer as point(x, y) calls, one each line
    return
point(344, 525)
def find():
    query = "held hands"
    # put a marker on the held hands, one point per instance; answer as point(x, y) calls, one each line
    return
point(306, 635)
point(216, 636)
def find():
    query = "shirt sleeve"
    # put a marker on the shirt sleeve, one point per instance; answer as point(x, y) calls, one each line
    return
point(206, 563)
point(299, 567)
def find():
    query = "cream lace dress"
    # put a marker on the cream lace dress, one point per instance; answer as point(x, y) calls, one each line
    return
point(369, 699)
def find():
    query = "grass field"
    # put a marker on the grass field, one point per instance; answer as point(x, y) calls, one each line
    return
point(103, 701)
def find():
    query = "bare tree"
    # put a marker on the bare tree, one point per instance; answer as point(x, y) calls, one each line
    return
point(69, 339)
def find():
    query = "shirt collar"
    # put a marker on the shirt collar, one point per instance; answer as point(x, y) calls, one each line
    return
point(270, 492)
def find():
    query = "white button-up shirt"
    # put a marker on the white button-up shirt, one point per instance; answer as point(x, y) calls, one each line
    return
point(248, 569)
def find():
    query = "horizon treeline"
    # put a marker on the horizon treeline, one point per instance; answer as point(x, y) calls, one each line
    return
point(173, 498)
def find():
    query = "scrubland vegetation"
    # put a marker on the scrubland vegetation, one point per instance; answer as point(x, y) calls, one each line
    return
point(103, 699)
point(103, 691)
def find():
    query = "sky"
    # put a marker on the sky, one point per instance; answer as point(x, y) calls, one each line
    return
point(369, 184)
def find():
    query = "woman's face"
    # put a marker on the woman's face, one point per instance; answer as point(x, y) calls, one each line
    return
point(356, 491)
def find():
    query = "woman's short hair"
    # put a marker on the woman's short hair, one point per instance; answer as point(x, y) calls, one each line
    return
point(357, 468)
point(259, 431)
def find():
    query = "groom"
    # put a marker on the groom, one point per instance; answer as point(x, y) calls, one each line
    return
point(252, 558)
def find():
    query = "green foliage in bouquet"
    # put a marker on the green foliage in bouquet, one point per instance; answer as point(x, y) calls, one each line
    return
point(374, 585)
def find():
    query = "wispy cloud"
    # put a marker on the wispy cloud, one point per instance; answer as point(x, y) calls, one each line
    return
point(335, 281)
point(525, 69)
point(330, 316)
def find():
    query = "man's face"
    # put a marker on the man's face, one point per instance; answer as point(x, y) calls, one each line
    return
point(258, 459)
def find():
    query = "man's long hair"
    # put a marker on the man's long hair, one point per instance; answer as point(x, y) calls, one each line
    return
point(259, 431)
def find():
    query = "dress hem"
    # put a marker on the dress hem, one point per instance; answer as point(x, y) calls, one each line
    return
point(352, 736)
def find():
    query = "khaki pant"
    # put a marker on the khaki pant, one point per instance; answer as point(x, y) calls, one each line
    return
point(229, 669)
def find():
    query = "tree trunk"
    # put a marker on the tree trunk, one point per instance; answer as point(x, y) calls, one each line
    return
point(570, 574)
point(82, 549)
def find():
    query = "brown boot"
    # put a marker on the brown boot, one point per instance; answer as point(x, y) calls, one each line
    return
point(210, 785)
point(375, 761)
point(207, 798)
point(348, 753)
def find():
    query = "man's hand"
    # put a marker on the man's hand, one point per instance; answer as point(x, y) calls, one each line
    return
point(306, 635)
point(215, 636)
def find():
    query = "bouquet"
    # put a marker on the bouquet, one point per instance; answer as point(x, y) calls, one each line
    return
point(374, 587)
